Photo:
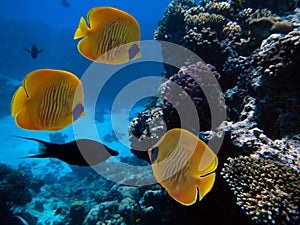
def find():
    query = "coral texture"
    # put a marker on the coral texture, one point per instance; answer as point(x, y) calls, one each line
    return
point(181, 97)
point(14, 186)
point(266, 190)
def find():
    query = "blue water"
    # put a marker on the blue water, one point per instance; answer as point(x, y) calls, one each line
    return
point(51, 27)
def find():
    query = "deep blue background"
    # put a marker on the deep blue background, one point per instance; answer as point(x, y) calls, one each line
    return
point(51, 26)
point(51, 12)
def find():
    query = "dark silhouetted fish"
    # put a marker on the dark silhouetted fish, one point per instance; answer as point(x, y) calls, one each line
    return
point(65, 3)
point(34, 51)
point(71, 153)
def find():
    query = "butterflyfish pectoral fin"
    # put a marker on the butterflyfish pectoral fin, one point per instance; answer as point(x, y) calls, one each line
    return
point(82, 29)
point(205, 184)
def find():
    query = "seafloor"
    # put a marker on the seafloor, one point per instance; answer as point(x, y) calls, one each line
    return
point(253, 48)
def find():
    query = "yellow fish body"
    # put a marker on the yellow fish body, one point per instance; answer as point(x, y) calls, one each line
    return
point(48, 100)
point(109, 37)
point(184, 165)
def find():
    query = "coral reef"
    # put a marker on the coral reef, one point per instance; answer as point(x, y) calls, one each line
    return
point(256, 49)
point(77, 212)
point(206, 28)
point(266, 190)
point(181, 97)
point(14, 186)
point(279, 7)
point(14, 191)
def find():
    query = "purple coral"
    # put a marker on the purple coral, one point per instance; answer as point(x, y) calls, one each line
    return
point(184, 102)
point(188, 84)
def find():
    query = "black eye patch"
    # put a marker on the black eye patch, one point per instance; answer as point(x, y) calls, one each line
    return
point(154, 154)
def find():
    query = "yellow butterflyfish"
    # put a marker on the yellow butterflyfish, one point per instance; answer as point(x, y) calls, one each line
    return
point(184, 165)
point(112, 36)
point(48, 100)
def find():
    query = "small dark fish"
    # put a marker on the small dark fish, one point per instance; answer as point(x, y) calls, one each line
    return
point(94, 152)
point(65, 3)
point(34, 51)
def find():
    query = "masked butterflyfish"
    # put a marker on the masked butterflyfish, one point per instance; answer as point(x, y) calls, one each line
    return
point(48, 100)
point(112, 36)
point(82, 152)
point(184, 165)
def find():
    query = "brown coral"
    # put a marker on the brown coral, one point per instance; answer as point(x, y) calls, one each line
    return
point(266, 190)
point(263, 27)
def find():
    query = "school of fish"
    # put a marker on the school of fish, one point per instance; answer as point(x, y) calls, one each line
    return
point(51, 100)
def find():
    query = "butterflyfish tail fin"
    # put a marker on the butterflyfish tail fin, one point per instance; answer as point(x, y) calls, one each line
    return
point(82, 29)
point(205, 184)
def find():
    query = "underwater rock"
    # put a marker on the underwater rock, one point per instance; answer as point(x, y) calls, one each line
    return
point(278, 86)
point(14, 186)
point(144, 131)
point(78, 210)
point(265, 189)
point(14, 191)
point(263, 27)
point(112, 195)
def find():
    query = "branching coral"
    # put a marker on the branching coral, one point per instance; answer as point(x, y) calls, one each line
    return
point(171, 27)
point(266, 190)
